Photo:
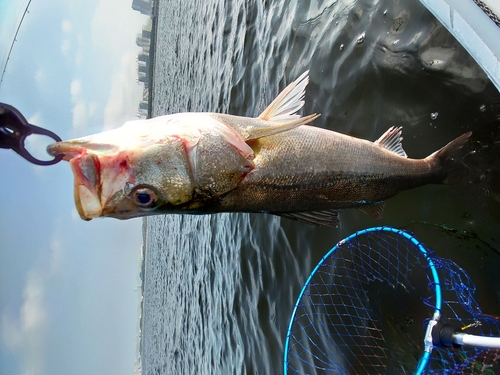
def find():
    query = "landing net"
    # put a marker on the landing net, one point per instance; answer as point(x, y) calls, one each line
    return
point(367, 305)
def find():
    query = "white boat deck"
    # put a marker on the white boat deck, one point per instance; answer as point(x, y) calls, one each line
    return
point(476, 25)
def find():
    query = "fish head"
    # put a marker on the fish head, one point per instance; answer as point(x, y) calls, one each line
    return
point(123, 174)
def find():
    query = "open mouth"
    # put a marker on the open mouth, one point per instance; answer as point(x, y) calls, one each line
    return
point(87, 185)
point(99, 173)
point(86, 172)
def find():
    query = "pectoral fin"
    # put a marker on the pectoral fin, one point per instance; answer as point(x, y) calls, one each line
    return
point(280, 116)
point(253, 128)
point(217, 166)
point(284, 108)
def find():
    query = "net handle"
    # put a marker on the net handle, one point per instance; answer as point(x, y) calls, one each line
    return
point(474, 340)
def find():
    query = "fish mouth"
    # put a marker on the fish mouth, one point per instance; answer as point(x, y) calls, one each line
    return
point(94, 185)
point(86, 172)
point(75, 147)
point(87, 185)
point(69, 150)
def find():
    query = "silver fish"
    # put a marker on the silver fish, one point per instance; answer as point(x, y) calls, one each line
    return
point(200, 163)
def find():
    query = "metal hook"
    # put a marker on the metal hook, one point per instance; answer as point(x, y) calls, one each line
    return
point(14, 129)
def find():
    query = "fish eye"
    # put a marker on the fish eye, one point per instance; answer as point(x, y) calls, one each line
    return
point(144, 197)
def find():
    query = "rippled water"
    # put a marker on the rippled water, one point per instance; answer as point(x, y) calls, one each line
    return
point(219, 290)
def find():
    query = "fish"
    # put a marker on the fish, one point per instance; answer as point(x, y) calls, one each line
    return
point(205, 163)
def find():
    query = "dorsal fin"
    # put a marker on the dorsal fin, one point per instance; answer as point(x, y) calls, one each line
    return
point(375, 210)
point(329, 218)
point(391, 140)
point(284, 108)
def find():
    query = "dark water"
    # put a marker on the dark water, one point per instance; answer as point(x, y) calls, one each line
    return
point(219, 290)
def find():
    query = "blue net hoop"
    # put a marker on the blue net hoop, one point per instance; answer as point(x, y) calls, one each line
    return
point(369, 307)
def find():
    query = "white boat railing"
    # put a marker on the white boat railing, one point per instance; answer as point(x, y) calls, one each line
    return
point(474, 27)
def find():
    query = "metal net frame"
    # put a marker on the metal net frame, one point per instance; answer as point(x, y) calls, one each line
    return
point(370, 303)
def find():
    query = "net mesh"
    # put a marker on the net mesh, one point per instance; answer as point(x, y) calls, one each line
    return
point(365, 307)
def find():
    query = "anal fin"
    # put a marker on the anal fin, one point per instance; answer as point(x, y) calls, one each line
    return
point(391, 140)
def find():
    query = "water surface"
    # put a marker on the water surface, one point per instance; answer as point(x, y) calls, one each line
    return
point(219, 289)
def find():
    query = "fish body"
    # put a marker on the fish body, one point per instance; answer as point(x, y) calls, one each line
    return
point(364, 172)
point(202, 163)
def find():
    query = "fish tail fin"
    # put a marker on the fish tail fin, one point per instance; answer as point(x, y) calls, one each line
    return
point(451, 169)
point(284, 108)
